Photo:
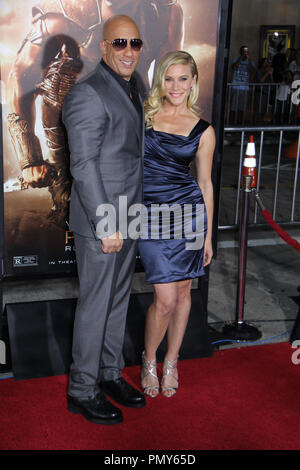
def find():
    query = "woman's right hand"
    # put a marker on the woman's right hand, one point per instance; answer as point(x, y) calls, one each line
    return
point(208, 252)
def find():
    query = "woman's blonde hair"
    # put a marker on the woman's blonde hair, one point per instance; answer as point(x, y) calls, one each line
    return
point(157, 93)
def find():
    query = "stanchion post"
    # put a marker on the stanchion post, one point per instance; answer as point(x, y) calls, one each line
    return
point(240, 330)
point(243, 248)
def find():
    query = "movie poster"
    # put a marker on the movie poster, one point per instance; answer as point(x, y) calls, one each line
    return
point(46, 46)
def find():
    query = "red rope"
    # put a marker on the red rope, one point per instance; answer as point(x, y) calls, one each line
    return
point(284, 235)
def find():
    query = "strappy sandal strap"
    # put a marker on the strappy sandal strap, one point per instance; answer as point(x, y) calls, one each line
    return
point(169, 368)
point(149, 368)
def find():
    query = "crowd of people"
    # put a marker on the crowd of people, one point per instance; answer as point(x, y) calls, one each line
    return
point(262, 94)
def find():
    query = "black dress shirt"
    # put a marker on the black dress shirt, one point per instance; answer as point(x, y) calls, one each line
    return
point(129, 86)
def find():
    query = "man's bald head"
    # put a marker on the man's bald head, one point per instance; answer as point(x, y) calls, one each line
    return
point(113, 22)
point(122, 60)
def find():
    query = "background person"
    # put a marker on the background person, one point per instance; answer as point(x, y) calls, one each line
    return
point(243, 68)
point(294, 66)
point(263, 94)
point(282, 99)
point(279, 64)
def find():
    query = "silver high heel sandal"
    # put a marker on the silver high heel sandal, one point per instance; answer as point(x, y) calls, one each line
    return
point(169, 369)
point(149, 368)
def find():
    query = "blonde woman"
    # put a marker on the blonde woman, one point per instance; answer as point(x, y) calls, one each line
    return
point(176, 245)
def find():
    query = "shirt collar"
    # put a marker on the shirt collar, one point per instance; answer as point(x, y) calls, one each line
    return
point(124, 83)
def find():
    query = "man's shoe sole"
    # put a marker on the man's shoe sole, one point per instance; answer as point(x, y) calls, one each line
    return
point(78, 410)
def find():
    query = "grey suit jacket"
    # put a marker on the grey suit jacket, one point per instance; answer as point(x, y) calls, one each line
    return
point(106, 141)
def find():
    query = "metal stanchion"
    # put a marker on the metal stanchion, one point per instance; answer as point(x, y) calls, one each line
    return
point(239, 330)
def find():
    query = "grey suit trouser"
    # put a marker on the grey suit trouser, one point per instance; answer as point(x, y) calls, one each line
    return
point(100, 317)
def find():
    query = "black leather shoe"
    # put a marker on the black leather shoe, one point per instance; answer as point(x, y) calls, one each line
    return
point(97, 410)
point(123, 393)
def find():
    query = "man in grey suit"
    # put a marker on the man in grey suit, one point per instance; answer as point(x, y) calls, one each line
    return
point(103, 115)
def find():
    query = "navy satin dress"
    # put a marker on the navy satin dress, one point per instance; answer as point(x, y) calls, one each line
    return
point(174, 225)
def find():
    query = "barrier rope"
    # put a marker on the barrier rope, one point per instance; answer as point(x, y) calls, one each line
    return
point(268, 217)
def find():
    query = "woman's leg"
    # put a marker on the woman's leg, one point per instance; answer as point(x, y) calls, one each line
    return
point(158, 316)
point(157, 321)
point(178, 321)
point(176, 330)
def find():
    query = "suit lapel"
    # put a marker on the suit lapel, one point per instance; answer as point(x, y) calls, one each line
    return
point(142, 126)
point(126, 105)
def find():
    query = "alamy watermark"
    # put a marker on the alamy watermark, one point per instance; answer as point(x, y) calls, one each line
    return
point(296, 93)
point(159, 221)
point(296, 354)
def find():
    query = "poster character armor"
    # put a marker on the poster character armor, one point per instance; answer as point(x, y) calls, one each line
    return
point(75, 13)
point(53, 61)
point(63, 42)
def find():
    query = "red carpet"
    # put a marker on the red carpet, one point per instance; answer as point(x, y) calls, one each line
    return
point(240, 399)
